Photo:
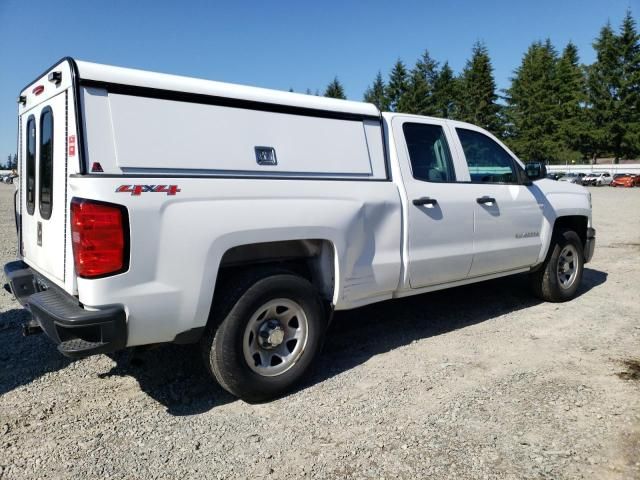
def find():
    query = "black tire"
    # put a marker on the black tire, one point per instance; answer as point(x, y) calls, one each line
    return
point(545, 281)
point(235, 304)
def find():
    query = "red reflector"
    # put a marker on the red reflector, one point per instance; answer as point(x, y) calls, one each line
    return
point(38, 90)
point(99, 237)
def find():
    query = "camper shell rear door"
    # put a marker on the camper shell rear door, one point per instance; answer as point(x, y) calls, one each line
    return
point(48, 154)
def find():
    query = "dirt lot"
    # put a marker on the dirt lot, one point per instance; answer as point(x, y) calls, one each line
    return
point(477, 382)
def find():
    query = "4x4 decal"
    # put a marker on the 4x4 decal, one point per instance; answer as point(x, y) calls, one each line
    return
point(139, 189)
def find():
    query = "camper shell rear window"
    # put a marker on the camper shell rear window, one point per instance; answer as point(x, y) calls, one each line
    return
point(31, 165)
point(46, 162)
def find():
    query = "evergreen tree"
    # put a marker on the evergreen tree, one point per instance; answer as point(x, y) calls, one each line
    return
point(603, 82)
point(418, 98)
point(532, 105)
point(397, 86)
point(377, 94)
point(613, 83)
point(478, 99)
point(335, 90)
point(629, 48)
point(445, 92)
point(570, 90)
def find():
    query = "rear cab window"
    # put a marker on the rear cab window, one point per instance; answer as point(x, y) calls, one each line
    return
point(429, 152)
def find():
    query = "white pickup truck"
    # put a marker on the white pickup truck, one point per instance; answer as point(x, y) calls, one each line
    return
point(155, 208)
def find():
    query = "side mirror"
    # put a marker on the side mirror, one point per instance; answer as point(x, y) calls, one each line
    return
point(536, 170)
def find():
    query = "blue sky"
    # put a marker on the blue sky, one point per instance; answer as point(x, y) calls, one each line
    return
point(282, 44)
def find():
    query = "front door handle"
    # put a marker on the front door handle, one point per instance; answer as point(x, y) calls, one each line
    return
point(486, 200)
point(432, 202)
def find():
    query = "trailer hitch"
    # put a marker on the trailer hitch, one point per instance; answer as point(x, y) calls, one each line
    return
point(31, 327)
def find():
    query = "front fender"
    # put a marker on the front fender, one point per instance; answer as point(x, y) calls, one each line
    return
point(560, 199)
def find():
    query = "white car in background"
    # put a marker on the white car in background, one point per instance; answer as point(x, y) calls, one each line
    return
point(597, 178)
point(572, 178)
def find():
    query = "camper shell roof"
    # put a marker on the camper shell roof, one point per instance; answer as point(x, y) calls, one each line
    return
point(176, 87)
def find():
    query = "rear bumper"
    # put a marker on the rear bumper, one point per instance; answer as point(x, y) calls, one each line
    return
point(76, 331)
point(589, 244)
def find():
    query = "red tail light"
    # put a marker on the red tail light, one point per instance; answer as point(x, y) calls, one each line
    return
point(99, 234)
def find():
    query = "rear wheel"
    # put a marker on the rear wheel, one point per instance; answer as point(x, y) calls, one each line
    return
point(559, 277)
point(266, 337)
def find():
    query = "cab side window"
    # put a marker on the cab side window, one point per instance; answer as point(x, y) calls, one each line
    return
point(429, 153)
point(488, 162)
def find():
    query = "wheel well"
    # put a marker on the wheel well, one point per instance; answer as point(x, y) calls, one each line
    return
point(312, 259)
point(577, 223)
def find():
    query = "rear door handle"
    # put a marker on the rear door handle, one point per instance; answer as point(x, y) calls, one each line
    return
point(485, 200)
point(425, 201)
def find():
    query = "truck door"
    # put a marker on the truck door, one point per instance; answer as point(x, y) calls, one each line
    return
point(439, 230)
point(508, 219)
point(43, 186)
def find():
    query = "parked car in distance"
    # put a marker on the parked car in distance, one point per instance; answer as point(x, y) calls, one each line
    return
point(597, 179)
point(8, 178)
point(555, 175)
point(626, 180)
point(572, 178)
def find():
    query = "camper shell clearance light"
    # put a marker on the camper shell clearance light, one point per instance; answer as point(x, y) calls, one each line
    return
point(55, 77)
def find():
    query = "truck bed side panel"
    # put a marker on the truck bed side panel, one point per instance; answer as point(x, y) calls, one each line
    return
point(178, 241)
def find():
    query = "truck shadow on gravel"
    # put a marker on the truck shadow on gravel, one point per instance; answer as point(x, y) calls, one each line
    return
point(173, 375)
point(357, 335)
point(23, 360)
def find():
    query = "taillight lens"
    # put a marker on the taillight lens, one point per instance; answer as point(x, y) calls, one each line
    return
point(99, 234)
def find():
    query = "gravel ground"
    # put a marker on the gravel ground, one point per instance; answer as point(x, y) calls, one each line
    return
point(481, 381)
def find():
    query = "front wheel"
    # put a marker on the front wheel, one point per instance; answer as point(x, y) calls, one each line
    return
point(267, 336)
point(561, 273)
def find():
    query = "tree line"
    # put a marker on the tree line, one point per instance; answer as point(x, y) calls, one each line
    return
point(12, 162)
point(556, 109)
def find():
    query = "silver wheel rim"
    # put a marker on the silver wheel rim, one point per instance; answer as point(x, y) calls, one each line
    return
point(568, 264)
point(275, 337)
